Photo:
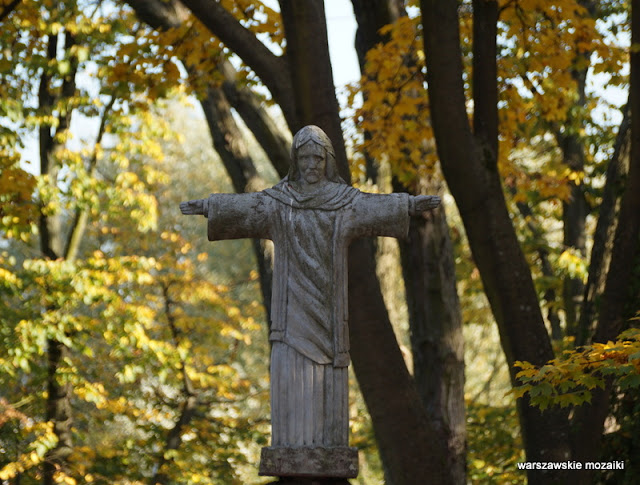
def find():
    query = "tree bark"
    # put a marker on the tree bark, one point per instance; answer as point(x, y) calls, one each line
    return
point(371, 16)
point(429, 275)
point(405, 436)
point(609, 208)
point(229, 143)
point(436, 332)
point(251, 109)
point(50, 225)
point(58, 412)
point(475, 184)
point(58, 403)
point(274, 71)
point(311, 75)
point(614, 312)
point(412, 450)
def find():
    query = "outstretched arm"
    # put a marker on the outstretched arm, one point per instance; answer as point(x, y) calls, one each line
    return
point(422, 203)
point(195, 207)
point(233, 216)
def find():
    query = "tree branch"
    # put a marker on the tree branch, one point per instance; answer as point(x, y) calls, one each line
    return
point(82, 215)
point(6, 11)
point(477, 189)
point(271, 69)
point(261, 124)
point(605, 230)
point(50, 243)
point(166, 15)
point(614, 311)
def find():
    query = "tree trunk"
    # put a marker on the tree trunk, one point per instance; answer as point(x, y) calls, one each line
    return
point(436, 331)
point(311, 74)
point(251, 109)
point(474, 182)
point(605, 229)
point(412, 450)
point(429, 278)
point(614, 311)
point(58, 403)
point(58, 412)
point(405, 437)
point(229, 143)
point(574, 213)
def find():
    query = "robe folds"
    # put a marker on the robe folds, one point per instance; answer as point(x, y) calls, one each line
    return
point(311, 233)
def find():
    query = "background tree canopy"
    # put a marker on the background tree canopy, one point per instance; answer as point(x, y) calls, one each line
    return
point(135, 352)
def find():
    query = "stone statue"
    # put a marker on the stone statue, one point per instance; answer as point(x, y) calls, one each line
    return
point(311, 216)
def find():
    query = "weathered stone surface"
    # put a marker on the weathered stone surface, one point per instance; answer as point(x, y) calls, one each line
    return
point(311, 216)
point(309, 461)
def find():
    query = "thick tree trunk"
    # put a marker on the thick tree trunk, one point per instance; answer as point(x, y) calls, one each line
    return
point(475, 184)
point(436, 331)
point(614, 311)
point(413, 451)
point(311, 75)
point(429, 279)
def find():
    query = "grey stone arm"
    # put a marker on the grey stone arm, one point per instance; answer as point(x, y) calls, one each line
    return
point(422, 203)
point(195, 207)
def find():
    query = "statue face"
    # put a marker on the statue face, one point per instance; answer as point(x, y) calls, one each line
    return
point(312, 163)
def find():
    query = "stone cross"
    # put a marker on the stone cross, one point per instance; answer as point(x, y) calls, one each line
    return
point(311, 216)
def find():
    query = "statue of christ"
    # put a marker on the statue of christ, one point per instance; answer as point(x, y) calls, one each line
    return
point(311, 216)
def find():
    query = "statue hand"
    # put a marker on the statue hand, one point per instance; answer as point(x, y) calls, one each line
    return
point(192, 207)
point(423, 203)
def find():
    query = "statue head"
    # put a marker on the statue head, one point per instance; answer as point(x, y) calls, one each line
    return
point(314, 141)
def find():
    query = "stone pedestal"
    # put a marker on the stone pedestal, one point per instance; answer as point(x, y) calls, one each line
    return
point(309, 462)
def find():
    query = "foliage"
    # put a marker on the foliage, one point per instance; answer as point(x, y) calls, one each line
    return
point(150, 341)
point(150, 344)
point(142, 310)
point(495, 446)
point(394, 111)
point(570, 379)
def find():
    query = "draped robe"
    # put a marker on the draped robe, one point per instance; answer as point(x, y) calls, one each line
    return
point(311, 232)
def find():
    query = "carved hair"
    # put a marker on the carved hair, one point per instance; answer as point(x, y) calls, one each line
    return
point(313, 134)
